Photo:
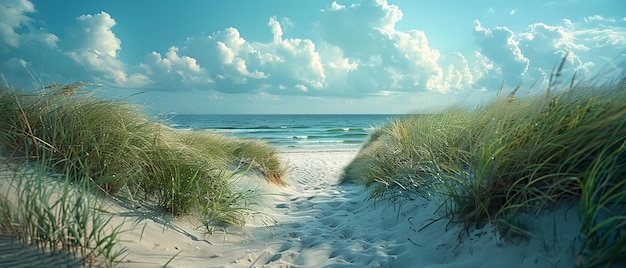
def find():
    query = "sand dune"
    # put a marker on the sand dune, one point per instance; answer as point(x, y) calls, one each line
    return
point(13, 253)
point(322, 224)
point(314, 222)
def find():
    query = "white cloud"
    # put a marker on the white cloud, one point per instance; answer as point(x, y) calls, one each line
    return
point(20, 39)
point(15, 63)
point(301, 87)
point(598, 18)
point(281, 66)
point(13, 16)
point(235, 67)
point(354, 51)
point(482, 65)
point(568, 23)
point(352, 27)
point(173, 71)
point(501, 47)
point(17, 29)
point(16, 67)
point(234, 54)
point(335, 6)
point(530, 55)
point(377, 57)
point(94, 32)
point(93, 45)
point(456, 73)
point(546, 45)
point(298, 58)
point(335, 62)
point(382, 59)
point(40, 36)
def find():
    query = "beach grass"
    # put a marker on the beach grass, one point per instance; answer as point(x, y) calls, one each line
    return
point(112, 148)
point(57, 215)
point(517, 154)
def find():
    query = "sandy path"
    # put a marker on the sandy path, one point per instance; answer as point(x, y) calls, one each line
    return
point(319, 224)
point(323, 224)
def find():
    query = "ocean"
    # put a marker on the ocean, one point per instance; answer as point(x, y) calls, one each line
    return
point(288, 132)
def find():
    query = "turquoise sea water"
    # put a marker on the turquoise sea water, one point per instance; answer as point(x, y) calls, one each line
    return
point(288, 132)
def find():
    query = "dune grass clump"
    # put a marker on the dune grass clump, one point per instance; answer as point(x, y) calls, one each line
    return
point(101, 140)
point(111, 147)
point(254, 155)
point(116, 147)
point(514, 155)
point(58, 215)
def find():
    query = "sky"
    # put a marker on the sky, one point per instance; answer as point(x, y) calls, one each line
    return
point(304, 57)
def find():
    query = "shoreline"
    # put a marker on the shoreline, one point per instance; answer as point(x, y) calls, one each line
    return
point(325, 150)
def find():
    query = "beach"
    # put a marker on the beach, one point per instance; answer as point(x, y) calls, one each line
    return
point(315, 222)
point(313, 134)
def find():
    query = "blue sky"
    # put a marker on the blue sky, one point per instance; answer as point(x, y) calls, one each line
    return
point(285, 56)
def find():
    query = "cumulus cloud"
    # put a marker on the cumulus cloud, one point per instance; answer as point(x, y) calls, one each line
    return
point(94, 32)
point(297, 58)
point(173, 71)
point(352, 26)
point(530, 55)
point(546, 45)
point(17, 29)
point(13, 15)
point(236, 65)
point(354, 50)
point(379, 57)
point(234, 52)
point(22, 38)
point(501, 47)
point(93, 45)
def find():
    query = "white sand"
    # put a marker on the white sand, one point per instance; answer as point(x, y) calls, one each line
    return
point(323, 224)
